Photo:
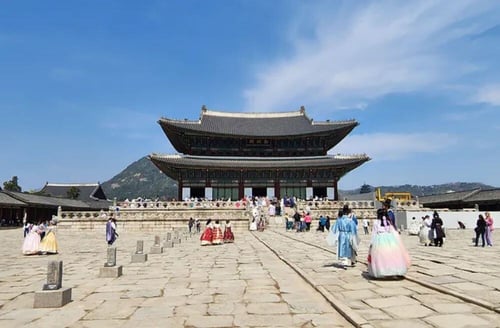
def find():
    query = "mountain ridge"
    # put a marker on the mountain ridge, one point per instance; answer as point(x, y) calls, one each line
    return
point(143, 179)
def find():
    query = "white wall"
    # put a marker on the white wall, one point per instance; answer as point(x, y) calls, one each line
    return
point(450, 218)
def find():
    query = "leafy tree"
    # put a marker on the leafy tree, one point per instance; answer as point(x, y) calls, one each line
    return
point(73, 192)
point(12, 185)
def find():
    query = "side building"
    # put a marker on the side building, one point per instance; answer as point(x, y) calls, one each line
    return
point(227, 155)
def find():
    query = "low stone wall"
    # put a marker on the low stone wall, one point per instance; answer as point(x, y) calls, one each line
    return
point(153, 220)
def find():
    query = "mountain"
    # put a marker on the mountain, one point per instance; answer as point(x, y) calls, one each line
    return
point(140, 179)
point(143, 179)
point(416, 190)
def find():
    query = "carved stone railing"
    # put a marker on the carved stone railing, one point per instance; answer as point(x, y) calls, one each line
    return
point(174, 205)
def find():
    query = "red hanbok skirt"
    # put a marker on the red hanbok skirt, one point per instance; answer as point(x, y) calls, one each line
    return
point(228, 235)
point(207, 237)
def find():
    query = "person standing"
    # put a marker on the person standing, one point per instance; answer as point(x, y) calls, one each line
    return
point(387, 255)
point(198, 225)
point(489, 229)
point(366, 224)
point(322, 223)
point(386, 205)
point(308, 220)
point(425, 231)
point(111, 233)
point(49, 244)
point(207, 235)
point(218, 237)
point(190, 225)
point(327, 225)
point(437, 230)
point(480, 229)
point(345, 235)
point(228, 233)
point(31, 244)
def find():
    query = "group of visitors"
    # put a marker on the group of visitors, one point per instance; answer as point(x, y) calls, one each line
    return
point(387, 256)
point(432, 231)
point(484, 229)
point(194, 224)
point(212, 235)
point(302, 222)
point(40, 238)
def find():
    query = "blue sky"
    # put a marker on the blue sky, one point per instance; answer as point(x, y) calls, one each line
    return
point(83, 83)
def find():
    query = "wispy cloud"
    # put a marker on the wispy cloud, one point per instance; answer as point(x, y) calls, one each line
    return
point(359, 54)
point(489, 94)
point(394, 146)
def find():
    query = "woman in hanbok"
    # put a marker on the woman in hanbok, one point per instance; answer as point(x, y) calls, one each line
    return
point(425, 231)
point(228, 233)
point(489, 229)
point(218, 237)
point(49, 243)
point(207, 235)
point(387, 255)
point(253, 225)
point(31, 244)
point(261, 225)
point(344, 234)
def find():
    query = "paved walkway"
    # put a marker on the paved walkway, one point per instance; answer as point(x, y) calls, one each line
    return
point(249, 284)
point(232, 285)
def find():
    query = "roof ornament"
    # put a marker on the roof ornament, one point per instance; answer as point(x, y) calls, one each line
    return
point(204, 108)
point(302, 109)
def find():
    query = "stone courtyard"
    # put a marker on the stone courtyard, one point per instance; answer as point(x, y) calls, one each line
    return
point(273, 278)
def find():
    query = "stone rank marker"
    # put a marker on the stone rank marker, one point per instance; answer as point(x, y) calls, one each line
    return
point(168, 241)
point(139, 256)
point(156, 248)
point(52, 294)
point(110, 270)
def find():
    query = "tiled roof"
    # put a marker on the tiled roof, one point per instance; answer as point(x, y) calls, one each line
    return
point(87, 191)
point(259, 162)
point(257, 124)
point(485, 195)
point(5, 199)
point(32, 199)
point(447, 197)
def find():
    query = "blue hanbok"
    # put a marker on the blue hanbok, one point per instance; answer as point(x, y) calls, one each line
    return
point(345, 235)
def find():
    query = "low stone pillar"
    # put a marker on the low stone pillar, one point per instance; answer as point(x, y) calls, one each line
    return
point(52, 294)
point(139, 256)
point(168, 244)
point(156, 248)
point(110, 270)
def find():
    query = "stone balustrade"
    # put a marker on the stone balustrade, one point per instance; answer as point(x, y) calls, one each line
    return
point(162, 216)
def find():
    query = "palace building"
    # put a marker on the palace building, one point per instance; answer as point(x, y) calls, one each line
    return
point(232, 155)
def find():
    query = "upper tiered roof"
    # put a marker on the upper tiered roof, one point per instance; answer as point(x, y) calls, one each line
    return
point(220, 127)
point(257, 124)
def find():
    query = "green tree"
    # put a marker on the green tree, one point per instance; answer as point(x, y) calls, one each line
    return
point(73, 192)
point(12, 185)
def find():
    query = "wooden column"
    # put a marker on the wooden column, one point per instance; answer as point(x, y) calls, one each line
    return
point(277, 191)
point(336, 189)
point(241, 189)
point(179, 190)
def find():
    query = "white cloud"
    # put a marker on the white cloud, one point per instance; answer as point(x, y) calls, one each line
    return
point(394, 146)
point(489, 94)
point(359, 54)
